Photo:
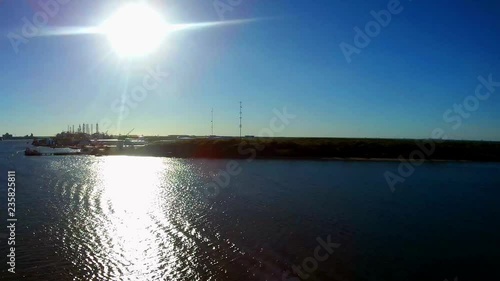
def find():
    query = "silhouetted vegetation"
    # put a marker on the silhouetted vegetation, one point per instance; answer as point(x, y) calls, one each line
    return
point(323, 148)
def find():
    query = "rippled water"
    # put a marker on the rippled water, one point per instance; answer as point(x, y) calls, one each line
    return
point(145, 218)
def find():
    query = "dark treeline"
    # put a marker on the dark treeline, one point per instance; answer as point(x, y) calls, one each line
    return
point(319, 148)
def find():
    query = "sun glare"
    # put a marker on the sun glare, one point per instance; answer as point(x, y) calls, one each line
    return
point(135, 29)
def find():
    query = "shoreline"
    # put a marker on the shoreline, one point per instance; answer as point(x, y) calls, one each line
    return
point(324, 159)
point(349, 150)
point(321, 159)
point(374, 150)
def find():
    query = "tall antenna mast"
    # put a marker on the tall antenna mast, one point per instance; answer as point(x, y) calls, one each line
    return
point(241, 107)
point(212, 122)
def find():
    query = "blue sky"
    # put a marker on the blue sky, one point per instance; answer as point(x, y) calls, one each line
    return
point(423, 62)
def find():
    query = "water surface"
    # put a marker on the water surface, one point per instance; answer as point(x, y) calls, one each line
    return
point(146, 218)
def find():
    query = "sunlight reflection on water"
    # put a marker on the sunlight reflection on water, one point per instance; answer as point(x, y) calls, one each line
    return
point(131, 190)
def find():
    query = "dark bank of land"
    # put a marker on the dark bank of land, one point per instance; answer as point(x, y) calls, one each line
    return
point(322, 148)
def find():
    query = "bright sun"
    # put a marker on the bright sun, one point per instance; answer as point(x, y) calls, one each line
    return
point(135, 30)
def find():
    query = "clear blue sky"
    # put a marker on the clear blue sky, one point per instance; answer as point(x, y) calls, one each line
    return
point(426, 60)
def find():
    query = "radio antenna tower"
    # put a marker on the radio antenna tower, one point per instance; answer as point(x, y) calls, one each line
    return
point(241, 107)
point(212, 122)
